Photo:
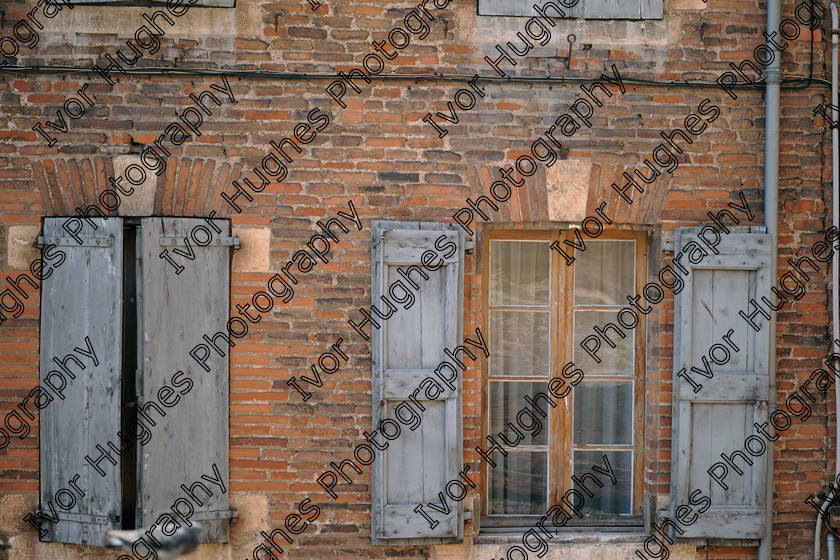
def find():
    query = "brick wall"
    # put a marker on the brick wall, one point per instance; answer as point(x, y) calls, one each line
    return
point(378, 153)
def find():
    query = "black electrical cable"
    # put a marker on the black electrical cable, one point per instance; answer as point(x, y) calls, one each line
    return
point(435, 77)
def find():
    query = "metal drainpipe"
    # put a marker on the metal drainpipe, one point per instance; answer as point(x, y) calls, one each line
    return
point(773, 77)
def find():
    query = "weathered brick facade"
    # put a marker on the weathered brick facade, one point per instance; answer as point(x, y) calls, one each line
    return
point(379, 154)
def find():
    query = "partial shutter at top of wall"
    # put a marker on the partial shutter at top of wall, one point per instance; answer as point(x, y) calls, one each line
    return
point(193, 3)
point(416, 467)
point(714, 416)
point(583, 9)
point(176, 311)
point(81, 300)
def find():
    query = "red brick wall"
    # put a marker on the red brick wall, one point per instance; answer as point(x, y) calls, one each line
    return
point(379, 154)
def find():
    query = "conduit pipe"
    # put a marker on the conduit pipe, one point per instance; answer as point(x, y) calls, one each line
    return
point(835, 203)
point(773, 80)
point(829, 538)
point(835, 217)
point(835, 299)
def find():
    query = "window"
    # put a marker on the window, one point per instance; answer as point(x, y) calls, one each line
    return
point(143, 418)
point(582, 9)
point(537, 310)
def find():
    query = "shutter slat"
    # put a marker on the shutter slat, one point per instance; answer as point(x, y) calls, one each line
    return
point(177, 309)
point(82, 299)
point(406, 349)
point(721, 415)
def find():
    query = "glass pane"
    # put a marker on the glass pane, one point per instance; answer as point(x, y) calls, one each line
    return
point(614, 361)
point(508, 406)
point(604, 273)
point(519, 340)
point(518, 484)
point(612, 498)
point(519, 272)
point(604, 413)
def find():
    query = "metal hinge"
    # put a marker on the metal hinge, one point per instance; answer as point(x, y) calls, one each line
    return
point(78, 517)
point(179, 241)
point(218, 514)
point(103, 242)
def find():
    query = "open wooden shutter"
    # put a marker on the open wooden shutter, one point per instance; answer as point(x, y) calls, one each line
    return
point(584, 9)
point(176, 310)
point(81, 299)
point(405, 350)
point(718, 417)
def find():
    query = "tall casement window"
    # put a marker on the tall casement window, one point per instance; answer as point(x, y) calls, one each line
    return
point(537, 310)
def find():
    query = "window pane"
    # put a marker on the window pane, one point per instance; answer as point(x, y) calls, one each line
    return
point(507, 400)
point(604, 273)
point(518, 483)
point(614, 361)
point(612, 498)
point(604, 413)
point(519, 273)
point(520, 343)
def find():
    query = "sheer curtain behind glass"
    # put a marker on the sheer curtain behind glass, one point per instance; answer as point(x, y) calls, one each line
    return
point(603, 402)
point(519, 366)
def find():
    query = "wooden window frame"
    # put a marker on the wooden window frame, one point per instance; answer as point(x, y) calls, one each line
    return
point(560, 459)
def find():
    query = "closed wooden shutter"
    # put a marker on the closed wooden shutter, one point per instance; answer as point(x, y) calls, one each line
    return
point(81, 299)
point(719, 417)
point(406, 349)
point(176, 310)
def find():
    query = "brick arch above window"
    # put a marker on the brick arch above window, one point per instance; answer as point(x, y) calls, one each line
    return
point(569, 191)
point(645, 208)
point(187, 187)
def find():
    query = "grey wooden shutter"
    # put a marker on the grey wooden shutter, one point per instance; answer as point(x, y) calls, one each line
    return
point(584, 9)
point(405, 350)
point(719, 416)
point(176, 310)
point(81, 299)
point(506, 8)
